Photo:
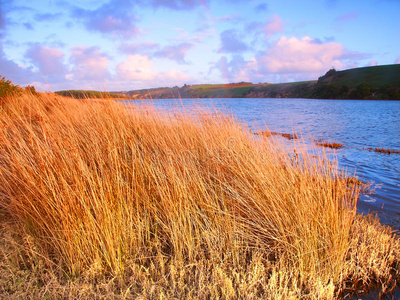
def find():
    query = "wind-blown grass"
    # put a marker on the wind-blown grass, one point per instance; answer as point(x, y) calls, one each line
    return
point(97, 200)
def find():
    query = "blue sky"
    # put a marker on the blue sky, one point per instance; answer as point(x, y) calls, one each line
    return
point(125, 44)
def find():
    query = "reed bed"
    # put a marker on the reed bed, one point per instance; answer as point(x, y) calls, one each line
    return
point(101, 201)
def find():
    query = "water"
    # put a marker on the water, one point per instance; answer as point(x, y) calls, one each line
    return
point(357, 124)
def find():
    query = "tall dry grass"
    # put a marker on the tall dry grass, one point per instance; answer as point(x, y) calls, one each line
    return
point(129, 202)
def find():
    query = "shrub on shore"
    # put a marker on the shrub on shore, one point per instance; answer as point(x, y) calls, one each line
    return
point(97, 200)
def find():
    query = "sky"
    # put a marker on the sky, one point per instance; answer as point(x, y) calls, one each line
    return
point(121, 45)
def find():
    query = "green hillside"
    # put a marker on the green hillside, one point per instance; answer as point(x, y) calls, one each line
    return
point(85, 94)
point(377, 82)
point(376, 76)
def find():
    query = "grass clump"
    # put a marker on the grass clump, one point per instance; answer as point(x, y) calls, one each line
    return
point(100, 201)
point(325, 144)
point(288, 136)
point(384, 151)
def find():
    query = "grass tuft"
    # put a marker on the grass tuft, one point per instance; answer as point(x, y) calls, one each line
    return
point(325, 144)
point(383, 150)
point(97, 200)
point(288, 136)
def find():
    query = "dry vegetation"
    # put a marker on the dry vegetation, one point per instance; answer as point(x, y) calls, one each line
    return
point(325, 144)
point(288, 136)
point(383, 150)
point(98, 201)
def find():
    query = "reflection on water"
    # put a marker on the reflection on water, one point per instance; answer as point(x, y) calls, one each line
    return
point(356, 124)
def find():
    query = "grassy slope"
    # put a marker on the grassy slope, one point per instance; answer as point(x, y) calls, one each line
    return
point(374, 76)
point(225, 90)
point(89, 94)
point(100, 201)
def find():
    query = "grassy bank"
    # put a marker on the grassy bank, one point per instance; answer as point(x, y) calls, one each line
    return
point(377, 82)
point(100, 201)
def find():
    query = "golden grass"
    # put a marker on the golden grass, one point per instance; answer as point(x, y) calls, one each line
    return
point(97, 201)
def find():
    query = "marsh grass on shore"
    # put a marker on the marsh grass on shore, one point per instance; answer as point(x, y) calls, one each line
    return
point(99, 201)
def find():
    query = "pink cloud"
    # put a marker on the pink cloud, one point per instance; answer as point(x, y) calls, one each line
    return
point(16, 73)
point(397, 60)
point(229, 18)
point(48, 60)
point(274, 25)
point(234, 70)
point(114, 18)
point(232, 42)
point(2, 22)
point(139, 69)
point(89, 63)
point(174, 77)
point(175, 52)
point(287, 59)
point(177, 4)
point(138, 48)
point(292, 55)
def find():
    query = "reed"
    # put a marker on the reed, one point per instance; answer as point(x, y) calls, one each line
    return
point(99, 200)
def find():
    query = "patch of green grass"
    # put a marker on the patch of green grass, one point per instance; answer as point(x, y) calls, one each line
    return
point(376, 76)
point(214, 91)
point(87, 94)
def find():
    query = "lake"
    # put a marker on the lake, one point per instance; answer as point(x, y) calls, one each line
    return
point(357, 124)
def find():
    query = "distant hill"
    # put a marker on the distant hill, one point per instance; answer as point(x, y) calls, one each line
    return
point(83, 94)
point(377, 82)
point(375, 77)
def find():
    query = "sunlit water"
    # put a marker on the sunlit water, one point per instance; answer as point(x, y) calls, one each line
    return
point(356, 124)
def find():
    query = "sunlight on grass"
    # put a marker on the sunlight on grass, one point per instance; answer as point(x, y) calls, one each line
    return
point(96, 199)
